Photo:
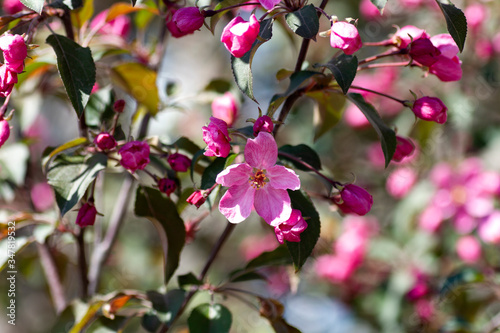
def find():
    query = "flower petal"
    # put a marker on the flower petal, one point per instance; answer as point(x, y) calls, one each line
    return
point(273, 205)
point(261, 152)
point(282, 178)
point(236, 174)
point(236, 204)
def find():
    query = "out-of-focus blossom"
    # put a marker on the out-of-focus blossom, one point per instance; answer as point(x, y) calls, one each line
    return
point(216, 136)
point(263, 123)
point(489, 230)
point(105, 141)
point(291, 229)
point(167, 185)
point(86, 215)
point(197, 198)
point(225, 107)
point(468, 249)
point(239, 35)
point(42, 196)
point(258, 183)
point(134, 155)
point(401, 181)
point(119, 26)
point(430, 219)
point(185, 21)
point(253, 246)
point(484, 49)
point(345, 36)
point(179, 162)
point(334, 268)
point(354, 199)
point(12, 6)
point(269, 4)
point(425, 309)
point(368, 10)
point(430, 109)
point(476, 14)
point(404, 149)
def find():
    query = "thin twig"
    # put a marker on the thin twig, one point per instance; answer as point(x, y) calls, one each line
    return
point(52, 276)
point(82, 262)
point(379, 93)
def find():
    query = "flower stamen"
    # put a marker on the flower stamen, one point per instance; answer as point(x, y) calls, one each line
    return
point(259, 179)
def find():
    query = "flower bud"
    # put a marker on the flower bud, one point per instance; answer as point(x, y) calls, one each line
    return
point(263, 123)
point(197, 198)
point(225, 108)
point(105, 141)
point(179, 162)
point(404, 149)
point(468, 249)
point(4, 131)
point(167, 186)
point(42, 196)
point(12, 6)
point(430, 109)
point(7, 80)
point(86, 215)
point(345, 36)
point(354, 199)
point(185, 21)
point(135, 155)
point(216, 136)
point(423, 52)
point(291, 229)
point(239, 35)
point(14, 51)
point(119, 105)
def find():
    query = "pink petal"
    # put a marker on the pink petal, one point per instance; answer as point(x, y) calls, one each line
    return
point(282, 178)
point(272, 205)
point(236, 204)
point(261, 152)
point(236, 174)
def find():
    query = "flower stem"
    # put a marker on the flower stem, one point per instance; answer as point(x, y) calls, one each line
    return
point(385, 64)
point(379, 93)
point(310, 167)
point(380, 56)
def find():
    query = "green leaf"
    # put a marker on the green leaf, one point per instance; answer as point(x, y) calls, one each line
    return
point(304, 22)
point(167, 304)
point(249, 276)
point(99, 108)
point(328, 110)
point(303, 153)
point(210, 318)
point(279, 256)
point(68, 145)
point(297, 79)
point(70, 176)
point(242, 67)
point(77, 69)
point(380, 4)
point(150, 322)
point(211, 172)
point(300, 251)
point(36, 5)
point(344, 69)
point(160, 210)
point(456, 23)
point(140, 82)
point(218, 85)
point(387, 136)
point(187, 280)
point(66, 4)
point(185, 144)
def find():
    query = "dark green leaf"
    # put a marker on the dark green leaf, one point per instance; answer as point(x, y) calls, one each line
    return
point(303, 153)
point(304, 22)
point(242, 67)
point(456, 23)
point(296, 81)
point(380, 4)
point(210, 318)
point(77, 69)
point(188, 280)
point(168, 303)
point(460, 278)
point(249, 276)
point(150, 322)
point(300, 251)
point(344, 69)
point(194, 163)
point(70, 177)
point(133, 2)
point(279, 256)
point(387, 136)
point(185, 144)
point(67, 4)
point(218, 85)
point(328, 111)
point(150, 203)
point(36, 5)
point(211, 172)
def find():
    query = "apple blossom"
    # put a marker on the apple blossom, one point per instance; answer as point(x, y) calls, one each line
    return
point(14, 51)
point(400, 182)
point(225, 107)
point(468, 249)
point(269, 4)
point(404, 149)
point(119, 26)
point(263, 123)
point(345, 36)
point(12, 6)
point(489, 230)
point(135, 155)
point(179, 162)
point(404, 36)
point(42, 196)
point(258, 183)
point(216, 136)
point(447, 67)
point(424, 52)
point(239, 35)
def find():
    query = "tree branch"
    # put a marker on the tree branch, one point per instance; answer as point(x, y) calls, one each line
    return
point(52, 276)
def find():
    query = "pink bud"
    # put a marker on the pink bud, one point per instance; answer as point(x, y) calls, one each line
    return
point(239, 35)
point(7, 81)
point(430, 109)
point(119, 105)
point(12, 6)
point(14, 51)
point(345, 36)
point(105, 141)
point(400, 182)
point(404, 148)
point(4, 131)
point(291, 229)
point(368, 10)
point(404, 36)
point(354, 199)
point(42, 196)
point(197, 199)
point(263, 123)
point(419, 290)
point(476, 14)
point(86, 215)
point(225, 107)
point(423, 52)
point(167, 186)
point(135, 155)
point(489, 230)
point(179, 162)
point(216, 136)
point(468, 249)
point(185, 21)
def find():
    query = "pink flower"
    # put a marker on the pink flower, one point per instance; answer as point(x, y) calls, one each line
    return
point(469, 249)
point(4, 131)
point(335, 268)
point(269, 4)
point(217, 138)
point(404, 149)
point(197, 198)
point(354, 199)
point(489, 230)
point(86, 215)
point(179, 162)
point(167, 186)
point(291, 229)
point(42, 196)
point(400, 182)
point(105, 141)
point(424, 52)
point(12, 6)
point(430, 219)
point(476, 14)
point(135, 155)
point(345, 36)
point(263, 123)
point(419, 290)
point(119, 105)
point(119, 26)
point(447, 67)
point(7, 80)
point(368, 10)
point(239, 35)
point(185, 21)
point(258, 183)
point(425, 309)
point(430, 109)
point(14, 51)
point(225, 107)
point(404, 36)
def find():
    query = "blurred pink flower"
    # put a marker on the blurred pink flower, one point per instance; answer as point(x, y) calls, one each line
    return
point(252, 246)
point(42, 196)
point(476, 14)
point(12, 6)
point(484, 49)
point(269, 4)
point(334, 268)
point(134, 155)
point(463, 222)
point(345, 36)
point(291, 229)
point(404, 149)
point(404, 36)
point(489, 230)
point(225, 107)
point(119, 26)
point(258, 183)
point(430, 219)
point(468, 249)
point(368, 10)
point(425, 309)
point(400, 182)
point(239, 35)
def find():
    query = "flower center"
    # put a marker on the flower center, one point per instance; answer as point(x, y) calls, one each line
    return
point(259, 179)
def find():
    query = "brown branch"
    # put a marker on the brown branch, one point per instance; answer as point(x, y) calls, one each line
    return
point(52, 276)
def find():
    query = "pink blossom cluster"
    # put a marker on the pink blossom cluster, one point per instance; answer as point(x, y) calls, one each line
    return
point(14, 52)
point(119, 26)
point(348, 251)
point(12, 6)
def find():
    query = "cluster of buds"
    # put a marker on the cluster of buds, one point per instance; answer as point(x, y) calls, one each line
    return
point(15, 52)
